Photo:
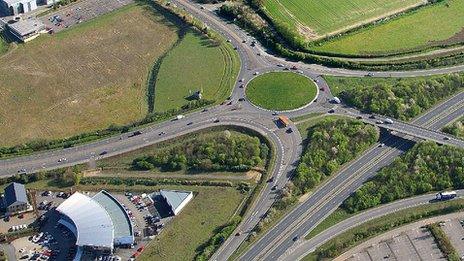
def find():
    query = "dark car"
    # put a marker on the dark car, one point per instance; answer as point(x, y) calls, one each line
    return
point(295, 238)
point(241, 99)
point(104, 152)
point(331, 111)
point(289, 130)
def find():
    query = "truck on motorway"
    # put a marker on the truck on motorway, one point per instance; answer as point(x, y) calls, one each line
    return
point(445, 195)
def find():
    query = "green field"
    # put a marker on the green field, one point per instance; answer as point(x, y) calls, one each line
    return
point(315, 18)
point(84, 78)
point(210, 208)
point(438, 24)
point(3, 45)
point(281, 91)
point(195, 64)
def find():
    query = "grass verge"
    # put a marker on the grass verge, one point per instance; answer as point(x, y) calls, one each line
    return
point(443, 242)
point(195, 64)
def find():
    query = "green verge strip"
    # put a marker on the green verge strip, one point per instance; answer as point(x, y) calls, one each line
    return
point(372, 228)
point(443, 242)
point(337, 216)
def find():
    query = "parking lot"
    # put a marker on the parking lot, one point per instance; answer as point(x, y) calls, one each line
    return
point(416, 244)
point(455, 232)
point(80, 12)
point(148, 214)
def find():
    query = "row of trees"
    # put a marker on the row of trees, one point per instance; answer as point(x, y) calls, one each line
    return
point(42, 144)
point(210, 153)
point(404, 100)
point(426, 167)
point(331, 143)
point(456, 128)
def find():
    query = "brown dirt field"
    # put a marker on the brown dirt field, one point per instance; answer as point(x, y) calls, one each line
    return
point(81, 79)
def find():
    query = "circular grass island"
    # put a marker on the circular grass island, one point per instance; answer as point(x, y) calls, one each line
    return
point(281, 91)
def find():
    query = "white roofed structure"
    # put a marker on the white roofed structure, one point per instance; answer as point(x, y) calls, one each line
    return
point(93, 224)
point(176, 199)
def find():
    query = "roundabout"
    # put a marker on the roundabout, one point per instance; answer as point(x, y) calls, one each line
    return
point(281, 91)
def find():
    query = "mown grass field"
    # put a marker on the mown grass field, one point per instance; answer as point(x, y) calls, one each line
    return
point(429, 26)
point(210, 208)
point(82, 79)
point(195, 64)
point(281, 91)
point(317, 18)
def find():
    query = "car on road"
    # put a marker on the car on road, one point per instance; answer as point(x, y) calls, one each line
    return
point(280, 65)
point(274, 187)
point(359, 117)
point(204, 110)
point(237, 234)
point(295, 238)
point(289, 130)
point(322, 88)
point(161, 133)
point(379, 122)
point(446, 138)
point(388, 121)
point(381, 145)
point(103, 152)
point(270, 180)
point(255, 73)
point(242, 80)
point(190, 123)
point(294, 68)
point(241, 99)
point(274, 113)
point(216, 121)
point(331, 111)
point(241, 86)
point(21, 171)
point(61, 159)
point(372, 116)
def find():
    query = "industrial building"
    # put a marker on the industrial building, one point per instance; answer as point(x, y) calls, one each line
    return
point(99, 223)
point(27, 30)
point(16, 7)
point(176, 199)
point(15, 199)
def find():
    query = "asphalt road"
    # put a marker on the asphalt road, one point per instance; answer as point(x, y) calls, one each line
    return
point(310, 245)
point(280, 239)
point(288, 145)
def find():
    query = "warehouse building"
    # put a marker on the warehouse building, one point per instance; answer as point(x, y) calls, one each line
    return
point(27, 30)
point(15, 199)
point(99, 223)
point(16, 7)
point(176, 199)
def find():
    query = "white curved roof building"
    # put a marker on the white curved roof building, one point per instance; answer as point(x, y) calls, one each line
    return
point(99, 222)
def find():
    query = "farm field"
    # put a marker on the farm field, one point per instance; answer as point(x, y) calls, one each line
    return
point(281, 91)
point(315, 19)
point(195, 64)
point(82, 79)
point(434, 25)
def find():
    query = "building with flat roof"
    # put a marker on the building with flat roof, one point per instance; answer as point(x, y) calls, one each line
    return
point(176, 199)
point(99, 223)
point(26, 30)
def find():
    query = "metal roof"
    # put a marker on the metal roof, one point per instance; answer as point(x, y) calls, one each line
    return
point(15, 193)
point(28, 26)
point(121, 221)
point(93, 224)
point(175, 197)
